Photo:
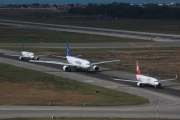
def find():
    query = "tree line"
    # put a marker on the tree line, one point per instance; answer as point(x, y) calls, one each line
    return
point(126, 10)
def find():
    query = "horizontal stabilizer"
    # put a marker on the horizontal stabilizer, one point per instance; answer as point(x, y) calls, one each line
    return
point(125, 80)
point(12, 55)
point(51, 62)
point(43, 55)
point(59, 56)
point(97, 63)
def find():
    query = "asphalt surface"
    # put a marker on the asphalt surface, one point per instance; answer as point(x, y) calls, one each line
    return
point(168, 95)
point(97, 31)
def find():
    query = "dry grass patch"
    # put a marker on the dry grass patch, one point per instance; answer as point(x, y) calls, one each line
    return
point(35, 93)
point(20, 86)
point(164, 63)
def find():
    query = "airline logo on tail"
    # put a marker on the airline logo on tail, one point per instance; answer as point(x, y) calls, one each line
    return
point(137, 69)
point(68, 49)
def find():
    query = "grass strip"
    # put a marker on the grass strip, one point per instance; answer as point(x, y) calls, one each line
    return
point(20, 86)
point(26, 35)
point(46, 16)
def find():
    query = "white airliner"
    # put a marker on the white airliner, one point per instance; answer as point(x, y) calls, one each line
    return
point(26, 55)
point(142, 79)
point(74, 62)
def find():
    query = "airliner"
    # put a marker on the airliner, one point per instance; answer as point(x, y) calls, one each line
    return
point(75, 62)
point(142, 79)
point(25, 55)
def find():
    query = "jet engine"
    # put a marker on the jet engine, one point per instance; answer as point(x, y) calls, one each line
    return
point(66, 68)
point(21, 58)
point(159, 85)
point(96, 68)
point(139, 84)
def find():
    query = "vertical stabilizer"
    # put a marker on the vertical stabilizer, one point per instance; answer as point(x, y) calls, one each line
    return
point(137, 69)
point(23, 47)
point(68, 49)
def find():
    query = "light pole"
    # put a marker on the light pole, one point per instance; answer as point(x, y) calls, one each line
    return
point(157, 116)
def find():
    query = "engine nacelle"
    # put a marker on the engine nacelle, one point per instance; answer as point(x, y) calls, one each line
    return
point(139, 84)
point(21, 58)
point(159, 85)
point(96, 68)
point(66, 68)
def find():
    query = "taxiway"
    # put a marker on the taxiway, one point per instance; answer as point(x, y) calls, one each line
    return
point(98, 31)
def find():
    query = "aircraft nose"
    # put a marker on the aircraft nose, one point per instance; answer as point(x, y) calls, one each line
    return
point(88, 66)
point(157, 83)
point(31, 56)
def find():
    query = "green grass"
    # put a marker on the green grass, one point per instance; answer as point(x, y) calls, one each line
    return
point(24, 35)
point(107, 97)
point(157, 26)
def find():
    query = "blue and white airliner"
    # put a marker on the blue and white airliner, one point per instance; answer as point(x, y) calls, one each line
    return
point(75, 62)
point(25, 55)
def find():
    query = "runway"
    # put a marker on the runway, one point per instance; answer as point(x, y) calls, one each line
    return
point(97, 45)
point(97, 31)
point(169, 97)
point(67, 111)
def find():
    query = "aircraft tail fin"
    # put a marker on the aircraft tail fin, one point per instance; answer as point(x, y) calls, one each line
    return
point(68, 49)
point(137, 69)
point(23, 49)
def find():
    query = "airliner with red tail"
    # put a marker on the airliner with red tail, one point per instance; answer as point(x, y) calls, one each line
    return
point(142, 79)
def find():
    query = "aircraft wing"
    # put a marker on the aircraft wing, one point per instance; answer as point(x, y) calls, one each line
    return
point(59, 56)
point(97, 63)
point(13, 55)
point(42, 55)
point(51, 62)
point(168, 79)
point(78, 56)
point(125, 80)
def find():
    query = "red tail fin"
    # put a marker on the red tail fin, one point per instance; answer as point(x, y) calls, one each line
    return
point(137, 69)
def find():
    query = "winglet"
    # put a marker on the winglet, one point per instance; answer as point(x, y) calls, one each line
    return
point(174, 78)
point(68, 49)
point(23, 47)
point(137, 69)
